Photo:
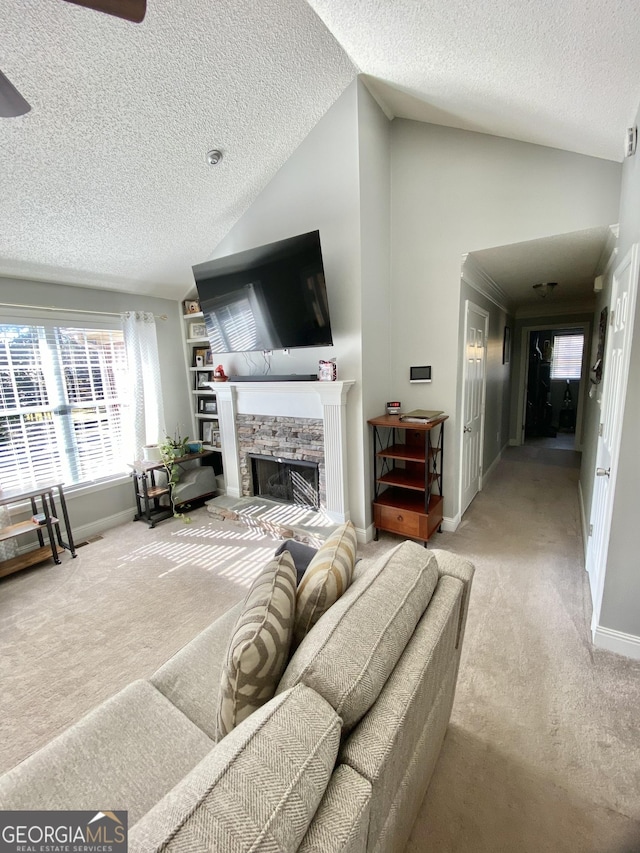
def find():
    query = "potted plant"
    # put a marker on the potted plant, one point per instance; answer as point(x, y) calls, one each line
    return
point(172, 449)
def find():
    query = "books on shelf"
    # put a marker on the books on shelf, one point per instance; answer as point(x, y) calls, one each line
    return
point(421, 416)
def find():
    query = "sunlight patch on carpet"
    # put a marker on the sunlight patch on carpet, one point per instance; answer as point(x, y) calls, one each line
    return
point(244, 534)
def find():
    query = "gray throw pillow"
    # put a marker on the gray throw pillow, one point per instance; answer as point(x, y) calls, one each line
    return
point(302, 555)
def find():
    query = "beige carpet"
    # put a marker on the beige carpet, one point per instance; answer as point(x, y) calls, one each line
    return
point(543, 751)
point(74, 634)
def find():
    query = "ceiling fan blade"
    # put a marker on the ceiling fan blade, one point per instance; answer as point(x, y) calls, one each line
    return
point(130, 10)
point(12, 103)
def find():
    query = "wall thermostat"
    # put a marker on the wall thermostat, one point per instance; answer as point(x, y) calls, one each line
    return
point(420, 374)
point(393, 408)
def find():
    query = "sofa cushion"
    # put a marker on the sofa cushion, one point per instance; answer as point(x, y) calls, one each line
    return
point(257, 790)
point(128, 752)
point(191, 678)
point(349, 654)
point(327, 577)
point(259, 645)
point(398, 741)
point(341, 824)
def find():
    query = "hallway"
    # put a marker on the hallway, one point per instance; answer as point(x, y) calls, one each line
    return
point(543, 750)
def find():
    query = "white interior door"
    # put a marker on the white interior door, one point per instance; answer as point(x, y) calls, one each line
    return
point(474, 381)
point(616, 369)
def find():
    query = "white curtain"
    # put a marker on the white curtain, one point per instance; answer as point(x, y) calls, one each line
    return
point(141, 343)
point(8, 547)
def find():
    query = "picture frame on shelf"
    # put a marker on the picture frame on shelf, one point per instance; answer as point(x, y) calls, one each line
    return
point(208, 432)
point(197, 330)
point(208, 359)
point(203, 379)
point(207, 406)
point(199, 356)
point(191, 306)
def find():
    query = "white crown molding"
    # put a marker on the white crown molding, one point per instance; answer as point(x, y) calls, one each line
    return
point(476, 277)
point(609, 252)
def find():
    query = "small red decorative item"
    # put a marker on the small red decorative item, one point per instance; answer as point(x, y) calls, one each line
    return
point(219, 375)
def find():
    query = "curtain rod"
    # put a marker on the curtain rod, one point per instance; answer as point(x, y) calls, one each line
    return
point(74, 310)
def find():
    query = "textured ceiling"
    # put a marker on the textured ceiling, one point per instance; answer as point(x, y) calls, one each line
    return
point(562, 73)
point(104, 182)
point(572, 260)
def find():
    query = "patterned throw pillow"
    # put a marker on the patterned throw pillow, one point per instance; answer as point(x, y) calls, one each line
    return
point(259, 646)
point(327, 576)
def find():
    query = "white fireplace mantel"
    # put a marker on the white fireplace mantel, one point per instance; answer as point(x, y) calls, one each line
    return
point(326, 400)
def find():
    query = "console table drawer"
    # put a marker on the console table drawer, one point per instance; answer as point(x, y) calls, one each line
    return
point(398, 520)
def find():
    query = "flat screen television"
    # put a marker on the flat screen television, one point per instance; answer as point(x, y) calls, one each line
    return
point(271, 297)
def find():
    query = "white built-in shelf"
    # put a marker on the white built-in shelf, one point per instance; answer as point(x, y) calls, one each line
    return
point(193, 316)
point(197, 340)
point(204, 416)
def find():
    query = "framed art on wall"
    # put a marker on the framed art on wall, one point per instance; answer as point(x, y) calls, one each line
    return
point(506, 346)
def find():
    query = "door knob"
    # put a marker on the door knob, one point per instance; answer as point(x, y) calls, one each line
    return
point(467, 429)
point(603, 472)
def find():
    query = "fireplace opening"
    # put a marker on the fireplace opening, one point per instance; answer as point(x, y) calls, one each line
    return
point(286, 480)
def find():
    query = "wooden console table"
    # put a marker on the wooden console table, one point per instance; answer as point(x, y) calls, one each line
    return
point(407, 462)
point(45, 493)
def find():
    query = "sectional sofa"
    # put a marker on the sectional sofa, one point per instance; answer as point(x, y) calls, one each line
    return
point(338, 760)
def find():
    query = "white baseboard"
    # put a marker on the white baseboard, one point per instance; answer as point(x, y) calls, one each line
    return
point(450, 525)
point(618, 642)
point(491, 468)
point(583, 522)
point(364, 534)
point(86, 531)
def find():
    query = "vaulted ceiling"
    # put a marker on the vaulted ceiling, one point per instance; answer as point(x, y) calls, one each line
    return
point(105, 182)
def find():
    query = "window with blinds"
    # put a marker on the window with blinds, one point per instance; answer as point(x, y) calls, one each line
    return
point(566, 362)
point(63, 404)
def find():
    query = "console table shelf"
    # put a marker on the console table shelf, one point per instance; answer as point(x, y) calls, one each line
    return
point(45, 521)
point(407, 460)
point(148, 491)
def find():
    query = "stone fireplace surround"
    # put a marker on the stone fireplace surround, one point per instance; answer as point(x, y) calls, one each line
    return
point(290, 439)
point(297, 402)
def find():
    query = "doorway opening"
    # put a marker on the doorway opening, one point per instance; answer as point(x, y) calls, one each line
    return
point(554, 386)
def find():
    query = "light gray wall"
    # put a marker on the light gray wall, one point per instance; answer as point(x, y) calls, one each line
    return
point(621, 599)
point(95, 510)
point(319, 188)
point(453, 192)
point(374, 131)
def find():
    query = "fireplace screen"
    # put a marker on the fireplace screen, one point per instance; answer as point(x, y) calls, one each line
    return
point(286, 480)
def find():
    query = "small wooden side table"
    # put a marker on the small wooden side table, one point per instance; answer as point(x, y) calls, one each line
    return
point(148, 491)
point(45, 493)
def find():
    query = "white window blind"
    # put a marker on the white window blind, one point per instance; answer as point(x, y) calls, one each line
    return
point(566, 362)
point(63, 404)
